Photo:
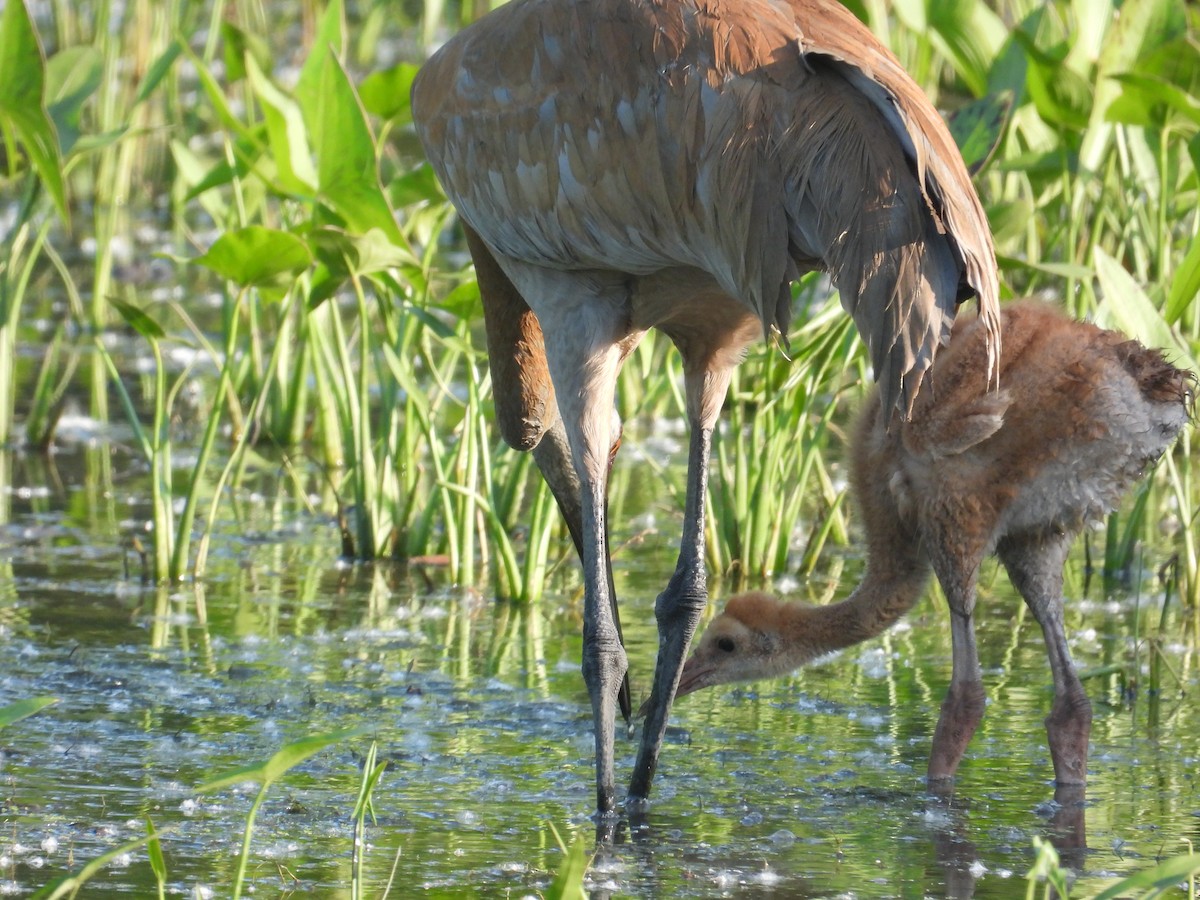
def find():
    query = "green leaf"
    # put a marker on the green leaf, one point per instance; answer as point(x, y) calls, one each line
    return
point(158, 70)
point(23, 709)
point(979, 127)
point(1184, 285)
point(138, 319)
point(22, 74)
point(288, 757)
point(568, 884)
point(1145, 98)
point(72, 76)
point(418, 186)
point(347, 171)
point(330, 39)
point(240, 48)
point(154, 849)
point(1160, 878)
point(972, 36)
point(1127, 308)
point(360, 254)
point(257, 256)
point(387, 94)
point(286, 134)
point(70, 885)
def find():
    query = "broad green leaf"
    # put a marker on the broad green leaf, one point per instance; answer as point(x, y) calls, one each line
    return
point(288, 757)
point(72, 76)
point(979, 127)
point(1144, 95)
point(22, 110)
point(347, 171)
point(286, 134)
point(257, 256)
point(1062, 97)
point(418, 186)
point(330, 39)
point(360, 254)
point(138, 319)
point(1184, 285)
point(1127, 308)
point(464, 301)
point(23, 709)
point(386, 94)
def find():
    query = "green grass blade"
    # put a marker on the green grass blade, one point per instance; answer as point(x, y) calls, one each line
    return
point(568, 883)
point(157, 863)
point(1162, 877)
point(70, 885)
point(23, 709)
point(288, 756)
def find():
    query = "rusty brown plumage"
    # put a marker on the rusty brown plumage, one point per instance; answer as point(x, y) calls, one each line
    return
point(677, 164)
point(1080, 413)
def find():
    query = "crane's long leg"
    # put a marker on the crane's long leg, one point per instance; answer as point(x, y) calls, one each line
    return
point(584, 318)
point(526, 407)
point(962, 710)
point(679, 607)
point(553, 458)
point(1036, 569)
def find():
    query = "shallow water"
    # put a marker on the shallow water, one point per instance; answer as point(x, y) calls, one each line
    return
point(809, 786)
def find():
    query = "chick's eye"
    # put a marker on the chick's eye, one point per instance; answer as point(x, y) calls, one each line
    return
point(725, 644)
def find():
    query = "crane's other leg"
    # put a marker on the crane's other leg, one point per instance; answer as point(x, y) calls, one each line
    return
point(1035, 566)
point(679, 607)
point(526, 408)
point(957, 569)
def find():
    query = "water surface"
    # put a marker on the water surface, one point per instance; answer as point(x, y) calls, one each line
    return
point(809, 786)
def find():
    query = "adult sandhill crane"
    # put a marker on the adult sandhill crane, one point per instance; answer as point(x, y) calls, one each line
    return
point(626, 164)
point(1080, 414)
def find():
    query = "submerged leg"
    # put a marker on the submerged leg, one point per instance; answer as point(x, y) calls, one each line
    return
point(1036, 569)
point(679, 607)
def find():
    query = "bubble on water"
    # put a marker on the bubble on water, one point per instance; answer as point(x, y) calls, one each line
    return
point(50, 844)
point(768, 877)
point(977, 869)
point(468, 818)
point(189, 807)
point(753, 818)
point(202, 892)
point(725, 879)
point(783, 838)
